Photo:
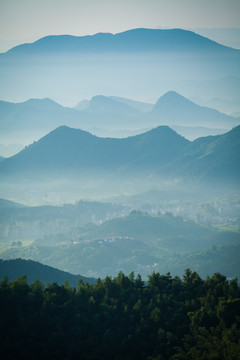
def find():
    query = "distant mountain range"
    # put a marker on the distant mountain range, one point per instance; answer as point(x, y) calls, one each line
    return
point(35, 270)
point(130, 64)
point(161, 151)
point(136, 40)
point(33, 117)
point(138, 105)
point(111, 116)
point(103, 105)
point(66, 149)
point(174, 109)
point(218, 93)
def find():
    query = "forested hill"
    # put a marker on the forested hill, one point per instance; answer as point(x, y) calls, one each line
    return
point(35, 270)
point(122, 318)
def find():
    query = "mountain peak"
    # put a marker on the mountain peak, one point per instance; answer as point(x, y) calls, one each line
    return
point(172, 95)
point(104, 104)
point(174, 109)
point(38, 103)
point(172, 99)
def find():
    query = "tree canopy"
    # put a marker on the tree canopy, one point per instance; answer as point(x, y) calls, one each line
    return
point(122, 318)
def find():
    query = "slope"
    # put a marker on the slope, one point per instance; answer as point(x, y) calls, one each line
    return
point(66, 149)
point(213, 157)
point(174, 109)
point(103, 104)
point(139, 105)
point(29, 119)
point(35, 270)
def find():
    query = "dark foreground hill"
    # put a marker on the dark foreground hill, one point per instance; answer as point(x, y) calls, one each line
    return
point(35, 270)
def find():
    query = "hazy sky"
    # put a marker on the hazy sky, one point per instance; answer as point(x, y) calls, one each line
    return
point(27, 20)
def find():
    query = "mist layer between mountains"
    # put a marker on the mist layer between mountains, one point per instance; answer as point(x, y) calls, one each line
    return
point(159, 157)
point(132, 64)
point(109, 116)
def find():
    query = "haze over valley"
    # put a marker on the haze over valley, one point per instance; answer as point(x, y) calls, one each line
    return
point(116, 156)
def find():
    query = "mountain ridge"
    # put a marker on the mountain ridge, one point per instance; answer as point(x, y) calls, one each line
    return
point(160, 40)
point(220, 151)
point(105, 104)
point(109, 113)
point(160, 151)
point(175, 109)
point(81, 148)
point(133, 62)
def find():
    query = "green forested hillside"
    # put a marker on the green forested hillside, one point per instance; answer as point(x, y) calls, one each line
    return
point(18, 222)
point(122, 318)
point(139, 242)
point(148, 228)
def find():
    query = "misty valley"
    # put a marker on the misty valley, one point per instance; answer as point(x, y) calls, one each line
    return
point(157, 230)
point(121, 182)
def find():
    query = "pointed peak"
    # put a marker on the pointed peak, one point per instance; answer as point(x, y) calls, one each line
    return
point(172, 95)
point(64, 129)
point(40, 102)
point(172, 98)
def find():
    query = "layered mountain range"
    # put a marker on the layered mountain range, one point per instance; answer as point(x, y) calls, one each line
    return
point(160, 152)
point(132, 64)
point(111, 116)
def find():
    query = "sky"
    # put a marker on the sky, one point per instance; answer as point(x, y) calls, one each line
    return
point(28, 20)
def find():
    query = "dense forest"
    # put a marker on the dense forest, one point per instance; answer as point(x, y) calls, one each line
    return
point(122, 318)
